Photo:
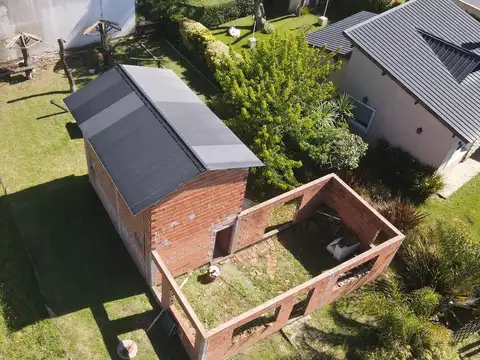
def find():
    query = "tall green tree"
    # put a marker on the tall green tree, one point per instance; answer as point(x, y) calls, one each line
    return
point(278, 99)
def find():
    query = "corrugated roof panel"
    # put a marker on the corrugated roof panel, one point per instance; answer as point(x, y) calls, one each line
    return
point(393, 42)
point(332, 36)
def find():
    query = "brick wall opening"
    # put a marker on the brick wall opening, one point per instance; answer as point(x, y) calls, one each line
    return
point(358, 272)
point(255, 325)
point(223, 242)
point(283, 214)
point(300, 305)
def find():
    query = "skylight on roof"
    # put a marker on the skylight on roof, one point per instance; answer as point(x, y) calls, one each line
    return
point(459, 61)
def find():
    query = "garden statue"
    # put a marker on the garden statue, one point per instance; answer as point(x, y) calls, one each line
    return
point(260, 18)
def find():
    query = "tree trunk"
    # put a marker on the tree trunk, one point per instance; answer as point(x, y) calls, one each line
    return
point(68, 71)
point(105, 44)
point(26, 57)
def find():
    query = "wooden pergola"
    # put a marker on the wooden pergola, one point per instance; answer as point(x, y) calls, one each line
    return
point(23, 41)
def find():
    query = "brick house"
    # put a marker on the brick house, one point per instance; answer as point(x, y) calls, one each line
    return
point(172, 178)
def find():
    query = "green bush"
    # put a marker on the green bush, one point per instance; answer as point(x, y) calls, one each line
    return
point(445, 258)
point(402, 172)
point(215, 51)
point(268, 28)
point(401, 213)
point(219, 14)
point(402, 323)
point(195, 36)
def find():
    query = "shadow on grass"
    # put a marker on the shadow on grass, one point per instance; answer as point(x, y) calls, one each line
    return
point(79, 259)
point(37, 95)
point(355, 336)
point(309, 248)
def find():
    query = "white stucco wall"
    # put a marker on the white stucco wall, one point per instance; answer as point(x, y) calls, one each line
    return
point(338, 76)
point(52, 19)
point(397, 117)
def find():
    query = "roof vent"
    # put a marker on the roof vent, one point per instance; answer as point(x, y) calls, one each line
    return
point(459, 62)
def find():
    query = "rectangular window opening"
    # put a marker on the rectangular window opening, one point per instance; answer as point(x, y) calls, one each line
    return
point(301, 305)
point(356, 273)
point(255, 326)
point(283, 214)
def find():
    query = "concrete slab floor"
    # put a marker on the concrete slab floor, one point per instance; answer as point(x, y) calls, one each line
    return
point(458, 176)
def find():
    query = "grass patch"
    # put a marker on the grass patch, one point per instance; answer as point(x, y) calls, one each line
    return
point(257, 274)
point(462, 206)
point(88, 278)
point(289, 23)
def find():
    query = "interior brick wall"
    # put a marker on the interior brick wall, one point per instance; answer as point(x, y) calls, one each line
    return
point(184, 223)
point(252, 222)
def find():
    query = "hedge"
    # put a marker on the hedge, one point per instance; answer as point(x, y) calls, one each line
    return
point(199, 40)
point(219, 14)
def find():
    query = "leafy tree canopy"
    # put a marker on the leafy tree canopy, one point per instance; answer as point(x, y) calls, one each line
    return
point(277, 98)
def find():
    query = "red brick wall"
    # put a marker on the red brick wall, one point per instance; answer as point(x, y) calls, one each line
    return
point(323, 289)
point(126, 223)
point(252, 222)
point(183, 224)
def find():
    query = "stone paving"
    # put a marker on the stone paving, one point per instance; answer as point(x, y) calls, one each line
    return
point(460, 175)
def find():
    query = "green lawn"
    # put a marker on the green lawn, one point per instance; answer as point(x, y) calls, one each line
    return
point(87, 277)
point(289, 23)
point(463, 205)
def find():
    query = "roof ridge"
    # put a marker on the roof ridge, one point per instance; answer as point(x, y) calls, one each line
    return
point(162, 119)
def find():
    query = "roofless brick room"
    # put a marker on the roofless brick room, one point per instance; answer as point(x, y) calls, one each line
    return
point(172, 177)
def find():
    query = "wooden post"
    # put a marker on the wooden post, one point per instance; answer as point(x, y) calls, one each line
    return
point(102, 29)
point(68, 71)
point(26, 57)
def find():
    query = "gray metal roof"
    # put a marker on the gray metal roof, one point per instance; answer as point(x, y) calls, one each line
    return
point(392, 40)
point(332, 36)
point(459, 62)
point(152, 133)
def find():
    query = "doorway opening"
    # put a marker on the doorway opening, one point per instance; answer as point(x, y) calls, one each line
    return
point(223, 242)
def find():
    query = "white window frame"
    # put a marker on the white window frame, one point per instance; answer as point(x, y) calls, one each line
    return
point(359, 126)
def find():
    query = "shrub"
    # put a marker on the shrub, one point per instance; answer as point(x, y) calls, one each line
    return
point(268, 28)
point(401, 322)
point(402, 172)
point(305, 11)
point(401, 213)
point(270, 99)
point(215, 51)
point(219, 14)
point(424, 302)
point(446, 258)
point(194, 35)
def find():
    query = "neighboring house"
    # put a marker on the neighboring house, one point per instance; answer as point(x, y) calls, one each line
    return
point(334, 40)
point(416, 66)
point(172, 178)
point(61, 19)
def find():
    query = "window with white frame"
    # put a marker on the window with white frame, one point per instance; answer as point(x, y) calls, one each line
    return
point(362, 115)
